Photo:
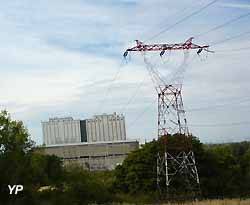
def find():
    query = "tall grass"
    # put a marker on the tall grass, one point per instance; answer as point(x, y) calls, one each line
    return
point(216, 202)
point(203, 202)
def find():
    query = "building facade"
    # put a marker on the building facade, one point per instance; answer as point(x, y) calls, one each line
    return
point(93, 156)
point(101, 128)
point(61, 130)
point(106, 128)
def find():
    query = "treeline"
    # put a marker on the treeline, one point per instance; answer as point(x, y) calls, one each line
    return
point(224, 172)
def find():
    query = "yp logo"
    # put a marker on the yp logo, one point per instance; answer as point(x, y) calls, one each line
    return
point(15, 188)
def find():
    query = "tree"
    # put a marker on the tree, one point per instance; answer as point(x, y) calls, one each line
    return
point(14, 137)
point(43, 177)
point(137, 174)
point(15, 144)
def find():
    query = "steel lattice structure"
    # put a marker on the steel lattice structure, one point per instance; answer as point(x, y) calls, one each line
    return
point(188, 44)
point(171, 119)
point(171, 114)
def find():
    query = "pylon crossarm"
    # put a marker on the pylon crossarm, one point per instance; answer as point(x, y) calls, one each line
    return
point(140, 46)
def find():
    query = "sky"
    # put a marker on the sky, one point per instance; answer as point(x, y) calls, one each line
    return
point(64, 58)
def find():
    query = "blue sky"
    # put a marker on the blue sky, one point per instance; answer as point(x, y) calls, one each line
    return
point(59, 57)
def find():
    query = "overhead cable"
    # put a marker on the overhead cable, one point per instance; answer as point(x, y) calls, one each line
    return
point(182, 20)
point(223, 25)
point(107, 92)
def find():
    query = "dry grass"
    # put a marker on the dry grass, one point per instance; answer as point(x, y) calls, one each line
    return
point(203, 202)
point(216, 202)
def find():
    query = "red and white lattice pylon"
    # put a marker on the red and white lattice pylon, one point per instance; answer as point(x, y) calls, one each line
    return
point(171, 117)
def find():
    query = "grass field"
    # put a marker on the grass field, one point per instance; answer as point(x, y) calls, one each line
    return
point(204, 202)
point(216, 202)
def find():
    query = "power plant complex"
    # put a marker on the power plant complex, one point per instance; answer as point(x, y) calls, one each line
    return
point(100, 128)
point(96, 144)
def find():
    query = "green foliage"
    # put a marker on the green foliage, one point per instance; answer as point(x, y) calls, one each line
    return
point(44, 179)
point(15, 146)
point(137, 174)
point(224, 171)
point(14, 137)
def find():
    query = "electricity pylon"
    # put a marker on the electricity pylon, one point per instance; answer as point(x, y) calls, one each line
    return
point(179, 160)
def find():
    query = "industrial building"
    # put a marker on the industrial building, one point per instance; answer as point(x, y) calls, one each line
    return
point(106, 127)
point(95, 144)
point(93, 156)
point(61, 131)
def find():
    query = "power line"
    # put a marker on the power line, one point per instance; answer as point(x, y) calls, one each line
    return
point(231, 38)
point(102, 102)
point(124, 108)
point(217, 106)
point(223, 25)
point(149, 105)
point(234, 49)
point(169, 16)
point(182, 20)
point(140, 85)
point(192, 125)
point(173, 25)
point(141, 114)
point(221, 124)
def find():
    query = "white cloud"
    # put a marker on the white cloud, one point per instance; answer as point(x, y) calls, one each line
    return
point(59, 58)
